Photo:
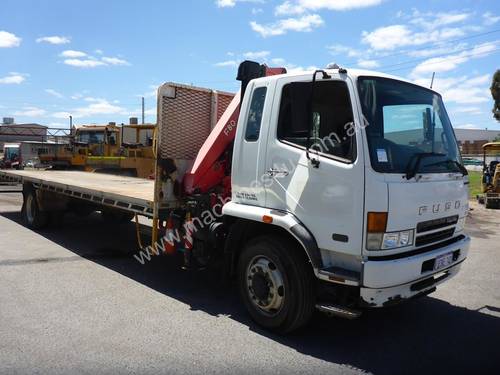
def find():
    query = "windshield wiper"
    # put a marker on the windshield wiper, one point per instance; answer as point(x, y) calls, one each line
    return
point(460, 167)
point(412, 171)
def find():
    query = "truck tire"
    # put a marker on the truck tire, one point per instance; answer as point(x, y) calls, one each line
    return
point(488, 204)
point(32, 216)
point(276, 283)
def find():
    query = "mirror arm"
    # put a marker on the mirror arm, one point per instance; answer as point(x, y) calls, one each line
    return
point(314, 162)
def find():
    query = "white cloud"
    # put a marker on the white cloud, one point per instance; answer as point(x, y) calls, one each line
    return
point(434, 20)
point(83, 60)
point(450, 62)
point(232, 3)
point(387, 37)
point(462, 89)
point(397, 36)
point(87, 63)
point(467, 110)
point(490, 19)
point(304, 23)
point(115, 61)
point(151, 93)
point(237, 58)
point(228, 63)
point(72, 54)
point(96, 107)
point(31, 112)
point(257, 55)
point(54, 93)
point(339, 49)
point(61, 114)
point(57, 125)
point(301, 6)
point(226, 3)
point(8, 40)
point(467, 126)
point(278, 61)
point(54, 39)
point(13, 78)
point(368, 64)
point(439, 50)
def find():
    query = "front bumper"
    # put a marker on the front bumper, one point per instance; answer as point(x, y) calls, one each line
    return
point(391, 281)
point(493, 197)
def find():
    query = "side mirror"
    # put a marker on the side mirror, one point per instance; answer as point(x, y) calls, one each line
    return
point(428, 125)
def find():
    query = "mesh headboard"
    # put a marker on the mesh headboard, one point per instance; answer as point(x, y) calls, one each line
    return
point(186, 115)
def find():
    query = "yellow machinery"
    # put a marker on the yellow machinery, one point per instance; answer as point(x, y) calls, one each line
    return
point(106, 149)
point(491, 176)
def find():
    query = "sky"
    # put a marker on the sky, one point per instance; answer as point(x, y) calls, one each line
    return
point(96, 59)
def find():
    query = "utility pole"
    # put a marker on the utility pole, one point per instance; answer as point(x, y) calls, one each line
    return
point(143, 110)
point(70, 129)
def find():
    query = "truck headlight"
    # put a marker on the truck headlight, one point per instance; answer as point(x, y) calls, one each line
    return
point(378, 239)
point(460, 225)
point(388, 241)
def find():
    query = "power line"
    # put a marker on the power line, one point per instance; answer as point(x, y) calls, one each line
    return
point(433, 44)
point(437, 56)
point(450, 59)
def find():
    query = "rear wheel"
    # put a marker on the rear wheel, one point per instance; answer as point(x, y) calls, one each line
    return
point(33, 217)
point(276, 283)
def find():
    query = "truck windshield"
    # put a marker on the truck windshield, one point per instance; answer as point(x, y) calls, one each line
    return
point(407, 128)
point(11, 153)
point(90, 137)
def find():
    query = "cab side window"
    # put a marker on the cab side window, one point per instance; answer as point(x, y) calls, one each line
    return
point(331, 128)
point(254, 119)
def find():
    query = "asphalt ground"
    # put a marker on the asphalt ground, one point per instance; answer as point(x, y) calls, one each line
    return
point(74, 300)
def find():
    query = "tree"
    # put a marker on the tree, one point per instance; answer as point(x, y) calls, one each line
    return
point(495, 92)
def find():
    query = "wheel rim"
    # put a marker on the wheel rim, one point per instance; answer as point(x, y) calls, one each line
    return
point(30, 208)
point(265, 285)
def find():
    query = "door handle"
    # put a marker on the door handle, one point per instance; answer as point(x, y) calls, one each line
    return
point(272, 172)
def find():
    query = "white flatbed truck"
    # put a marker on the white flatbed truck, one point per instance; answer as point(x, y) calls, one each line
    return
point(335, 189)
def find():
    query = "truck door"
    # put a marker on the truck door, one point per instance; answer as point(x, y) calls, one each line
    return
point(326, 195)
point(249, 155)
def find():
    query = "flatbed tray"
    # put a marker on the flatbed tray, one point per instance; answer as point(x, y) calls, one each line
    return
point(128, 193)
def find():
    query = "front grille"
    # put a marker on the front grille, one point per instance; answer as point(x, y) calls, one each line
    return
point(434, 237)
point(422, 250)
point(426, 226)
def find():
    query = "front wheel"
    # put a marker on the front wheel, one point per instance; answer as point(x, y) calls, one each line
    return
point(276, 283)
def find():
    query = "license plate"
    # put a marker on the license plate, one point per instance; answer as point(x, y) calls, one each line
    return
point(443, 261)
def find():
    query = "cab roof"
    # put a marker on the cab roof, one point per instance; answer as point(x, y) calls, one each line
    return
point(491, 146)
point(354, 74)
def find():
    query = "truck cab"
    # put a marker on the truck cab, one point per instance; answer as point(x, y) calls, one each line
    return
point(363, 171)
point(11, 156)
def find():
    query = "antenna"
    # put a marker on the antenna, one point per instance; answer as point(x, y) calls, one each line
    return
point(432, 79)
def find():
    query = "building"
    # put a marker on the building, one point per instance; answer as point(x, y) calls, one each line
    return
point(10, 132)
point(471, 141)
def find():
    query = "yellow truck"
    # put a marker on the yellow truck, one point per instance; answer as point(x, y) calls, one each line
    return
point(491, 176)
point(105, 149)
